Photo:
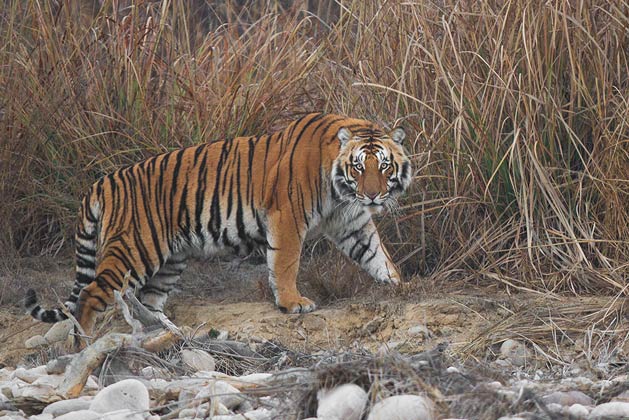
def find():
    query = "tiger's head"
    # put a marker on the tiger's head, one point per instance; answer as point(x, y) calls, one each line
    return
point(372, 168)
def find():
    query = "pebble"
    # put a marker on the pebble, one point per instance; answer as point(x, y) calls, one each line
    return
point(610, 410)
point(59, 331)
point(418, 331)
point(58, 366)
point(35, 342)
point(259, 414)
point(403, 407)
point(42, 416)
point(622, 397)
point(60, 408)
point(29, 375)
point(578, 411)
point(515, 351)
point(345, 402)
point(568, 398)
point(81, 415)
point(221, 392)
point(127, 394)
point(198, 360)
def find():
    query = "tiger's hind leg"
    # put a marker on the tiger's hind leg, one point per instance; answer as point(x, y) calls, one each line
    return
point(154, 293)
point(99, 294)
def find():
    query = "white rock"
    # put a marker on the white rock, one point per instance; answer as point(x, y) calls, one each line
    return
point(37, 391)
point(49, 380)
point(81, 415)
point(515, 351)
point(188, 413)
point(42, 416)
point(610, 410)
point(344, 402)
point(198, 359)
point(259, 414)
point(418, 331)
point(221, 392)
point(403, 407)
point(59, 331)
point(29, 375)
point(187, 397)
point(255, 378)
point(12, 416)
point(123, 415)
point(151, 372)
point(91, 384)
point(452, 369)
point(60, 408)
point(554, 407)
point(127, 394)
point(568, 398)
point(35, 341)
point(58, 366)
point(578, 411)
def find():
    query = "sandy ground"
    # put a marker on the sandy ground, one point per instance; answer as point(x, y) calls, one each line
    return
point(233, 297)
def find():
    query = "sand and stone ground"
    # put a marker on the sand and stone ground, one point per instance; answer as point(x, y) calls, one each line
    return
point(495, 338)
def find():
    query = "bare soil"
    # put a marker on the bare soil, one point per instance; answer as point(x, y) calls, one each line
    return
point(233, 297)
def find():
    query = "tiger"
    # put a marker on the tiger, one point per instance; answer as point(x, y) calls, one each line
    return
point(323, 175)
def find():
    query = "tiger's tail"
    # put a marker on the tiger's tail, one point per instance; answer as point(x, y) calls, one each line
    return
point(86, 242)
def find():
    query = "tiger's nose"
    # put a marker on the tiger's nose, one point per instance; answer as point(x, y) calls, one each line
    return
point(372, 195)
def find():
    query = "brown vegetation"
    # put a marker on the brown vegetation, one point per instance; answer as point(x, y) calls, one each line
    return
point(519, 115)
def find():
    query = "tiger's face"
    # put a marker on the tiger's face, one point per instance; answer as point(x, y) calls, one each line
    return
point(372, 168)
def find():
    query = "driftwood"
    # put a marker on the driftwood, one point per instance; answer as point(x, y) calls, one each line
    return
point(92, 356)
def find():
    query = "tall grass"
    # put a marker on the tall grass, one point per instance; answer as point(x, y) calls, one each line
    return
point(519, 114)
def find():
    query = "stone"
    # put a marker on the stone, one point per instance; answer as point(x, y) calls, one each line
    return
point(610, 410)
point(220, 392)
point(81, 415)
point(49, 380)
point(578, 411)
point(127, 394)
point(152, 372)
point(259, 414)
point(188, 413)
point(403, 407)
point(255, 378)
point(91, 384)
point(58, 366)
point(198, 360)
point(344, 402)
point(42, 416)
point(515, 351)
point(39, 392)
point(567, 398)
point(123, 415)
point(622, 397)
point(35, 342)
point(418, 331)
point(59, 331)
point(29, 375)
point(60, 408)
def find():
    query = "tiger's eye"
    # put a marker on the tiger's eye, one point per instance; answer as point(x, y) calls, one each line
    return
point(358, 166)
point(384, 166)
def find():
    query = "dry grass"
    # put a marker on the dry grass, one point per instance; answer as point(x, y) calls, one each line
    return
point(518, 113)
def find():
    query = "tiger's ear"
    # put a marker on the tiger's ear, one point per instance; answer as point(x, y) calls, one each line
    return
point(398, 135)
point(344, 135)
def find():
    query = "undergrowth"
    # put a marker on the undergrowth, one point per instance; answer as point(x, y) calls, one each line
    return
point(518, 115)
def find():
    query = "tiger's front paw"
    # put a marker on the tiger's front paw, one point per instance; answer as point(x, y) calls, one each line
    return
point(394, 279)
point(297, 305)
